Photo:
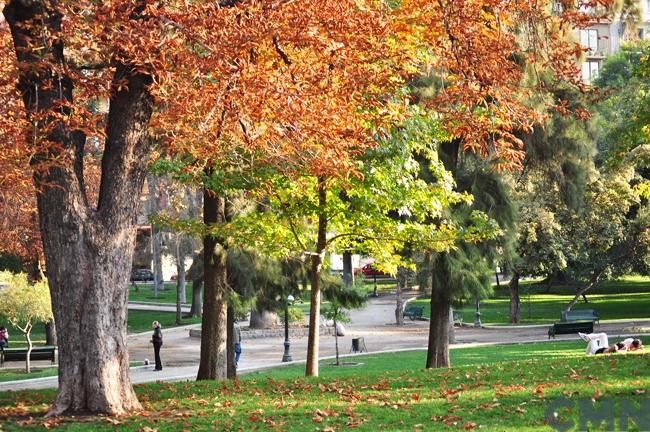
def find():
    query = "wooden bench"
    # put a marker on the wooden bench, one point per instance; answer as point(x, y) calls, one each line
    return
point(20, 354)
point(413, 312)
point(570, 327)
point(579, 315)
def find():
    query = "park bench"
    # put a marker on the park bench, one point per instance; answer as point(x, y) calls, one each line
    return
point(458, 318)
point(570, 327)
point(20, 354)
point(579, 315)
point(413, 312)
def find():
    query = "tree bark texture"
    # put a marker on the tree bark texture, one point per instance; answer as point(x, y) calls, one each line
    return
point(88, 249)
point(50, 333)
point(180, 279)
point(316, 268)
point(515, 302)
point(214, 352)
point(232, 367)
point(348, 273)
point(263, 320)
point(438, 348)
point(196, 311)
point(399, 305)
point(195, 273)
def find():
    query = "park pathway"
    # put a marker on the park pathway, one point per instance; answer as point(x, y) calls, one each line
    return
point(375, 323)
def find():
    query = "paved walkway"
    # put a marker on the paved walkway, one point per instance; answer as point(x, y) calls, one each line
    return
point(375, 323)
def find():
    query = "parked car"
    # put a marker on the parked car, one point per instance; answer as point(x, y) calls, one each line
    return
point(142, 275)
point(369, 270)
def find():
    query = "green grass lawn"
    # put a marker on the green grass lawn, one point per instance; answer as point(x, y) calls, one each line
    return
point(625, 299)
point(20, 374)
point(509, 388)
point(138, 322)
point(144, 292)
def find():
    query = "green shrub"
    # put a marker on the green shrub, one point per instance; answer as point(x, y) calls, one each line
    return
point(296, 315)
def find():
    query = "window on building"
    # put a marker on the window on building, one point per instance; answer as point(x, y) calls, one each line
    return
point(589, 39)
point(558, 7)
point(590, 71)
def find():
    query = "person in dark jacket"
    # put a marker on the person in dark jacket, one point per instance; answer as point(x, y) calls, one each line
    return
point(157, 341)
point(4, 338)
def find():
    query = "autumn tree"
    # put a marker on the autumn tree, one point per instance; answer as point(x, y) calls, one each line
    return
point(25, 305)
point(300, 85)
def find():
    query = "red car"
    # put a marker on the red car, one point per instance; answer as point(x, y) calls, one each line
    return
point(369, 270)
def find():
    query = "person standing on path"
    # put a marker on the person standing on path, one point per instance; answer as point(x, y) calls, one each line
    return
point(237, 341)
point(157, 341)
point(4, 338)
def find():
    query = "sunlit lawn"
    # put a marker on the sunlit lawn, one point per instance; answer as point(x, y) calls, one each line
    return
point(138, 321)
point(143, 292)
point(625, 299)
point(489, 388)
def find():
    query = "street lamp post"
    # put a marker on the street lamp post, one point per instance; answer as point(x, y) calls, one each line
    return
point(477, 321)
point(287, 345)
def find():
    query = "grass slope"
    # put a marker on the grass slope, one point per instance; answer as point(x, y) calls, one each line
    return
point(387, 392)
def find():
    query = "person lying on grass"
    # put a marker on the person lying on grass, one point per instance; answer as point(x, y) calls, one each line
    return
point(597, 343)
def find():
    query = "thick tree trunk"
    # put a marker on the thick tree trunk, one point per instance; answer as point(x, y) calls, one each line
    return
point(232, 367)
point(438, 348)
point(399, 303)
point(197, 305)
point(50, 333)
point(348, 274)
point(316, 267)
point(263, 320)
point(88, 249)
point(515, 303)
point(214, 352)
point(593, 280)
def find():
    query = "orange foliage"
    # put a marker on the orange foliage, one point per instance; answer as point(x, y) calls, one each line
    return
point(300, 85)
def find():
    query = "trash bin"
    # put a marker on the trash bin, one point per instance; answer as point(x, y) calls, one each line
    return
point(358, 345)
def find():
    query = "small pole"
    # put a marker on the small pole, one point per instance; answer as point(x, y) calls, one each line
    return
point(477, 321)
point(287, 344)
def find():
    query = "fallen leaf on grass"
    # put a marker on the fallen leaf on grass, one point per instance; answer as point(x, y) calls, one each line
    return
point(51, 423)
point(469, 425)
point(597, 394)
point(447, 419)
point(112, 420)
